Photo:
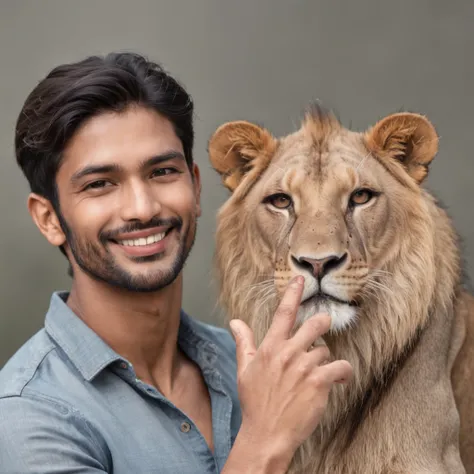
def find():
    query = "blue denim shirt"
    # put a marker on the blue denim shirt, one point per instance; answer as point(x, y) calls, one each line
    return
point(70, 404)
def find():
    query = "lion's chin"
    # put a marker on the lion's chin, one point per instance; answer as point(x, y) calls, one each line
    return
point(342, 315)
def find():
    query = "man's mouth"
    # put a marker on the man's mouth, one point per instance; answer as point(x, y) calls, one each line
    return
point(143, 237)
point(142, 241)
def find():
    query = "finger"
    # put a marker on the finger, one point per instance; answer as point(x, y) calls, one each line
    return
point(312, 329)
point(285, 315)
point(244, 343)
point(319, 355)
point(339, 371)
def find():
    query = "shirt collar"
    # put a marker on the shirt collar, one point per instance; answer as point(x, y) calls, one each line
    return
point(90, 354)
point(84, 348)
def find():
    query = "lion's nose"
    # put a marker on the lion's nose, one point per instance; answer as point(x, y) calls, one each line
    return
point(320, 267)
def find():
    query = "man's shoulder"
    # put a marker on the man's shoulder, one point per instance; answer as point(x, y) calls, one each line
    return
point(24, 364)
point(38, 427)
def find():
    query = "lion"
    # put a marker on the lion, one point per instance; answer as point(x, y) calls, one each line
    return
point(348, 211)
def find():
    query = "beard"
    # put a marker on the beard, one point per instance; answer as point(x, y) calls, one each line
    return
point(99, 263)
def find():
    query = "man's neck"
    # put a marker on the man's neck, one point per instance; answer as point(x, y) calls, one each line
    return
point(141, 327)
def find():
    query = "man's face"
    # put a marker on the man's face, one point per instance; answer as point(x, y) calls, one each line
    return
point(129, 203)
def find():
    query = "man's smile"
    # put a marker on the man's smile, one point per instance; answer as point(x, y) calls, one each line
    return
point(144, 243)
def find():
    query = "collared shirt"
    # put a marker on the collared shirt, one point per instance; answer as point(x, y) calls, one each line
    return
point(70, 404)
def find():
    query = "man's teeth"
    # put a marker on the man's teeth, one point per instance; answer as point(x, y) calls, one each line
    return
point(151, 239)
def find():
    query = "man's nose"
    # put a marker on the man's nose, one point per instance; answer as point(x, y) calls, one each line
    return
point(139, 203)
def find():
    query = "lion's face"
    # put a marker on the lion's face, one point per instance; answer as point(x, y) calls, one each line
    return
point(325, 214)
point(326, 203)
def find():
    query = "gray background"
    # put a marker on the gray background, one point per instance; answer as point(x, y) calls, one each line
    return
point(261, 60)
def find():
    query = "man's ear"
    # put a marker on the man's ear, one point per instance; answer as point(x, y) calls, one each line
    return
point(45, 218)
point(239, 149)
point(409, 139)
point(197, 186)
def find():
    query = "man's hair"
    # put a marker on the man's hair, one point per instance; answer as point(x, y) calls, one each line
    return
point(73, 93)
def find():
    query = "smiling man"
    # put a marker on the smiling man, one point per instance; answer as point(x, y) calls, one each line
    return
point(120, 379)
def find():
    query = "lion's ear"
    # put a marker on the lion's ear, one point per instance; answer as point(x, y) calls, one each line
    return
point(239, 148)
point(408, 138)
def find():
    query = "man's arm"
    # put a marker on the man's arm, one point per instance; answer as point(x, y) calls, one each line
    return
point(283, 388)
point(41, 436)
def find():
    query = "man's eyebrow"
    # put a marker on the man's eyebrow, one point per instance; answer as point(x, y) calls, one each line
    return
point(114, 168)
point(156, 160)
point(94, 169)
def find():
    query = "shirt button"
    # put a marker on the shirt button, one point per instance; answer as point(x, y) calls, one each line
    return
point(185, 427)
point(123, 365)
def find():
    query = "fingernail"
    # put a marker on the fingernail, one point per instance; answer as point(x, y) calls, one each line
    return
point(234, 327)
point(297, 281)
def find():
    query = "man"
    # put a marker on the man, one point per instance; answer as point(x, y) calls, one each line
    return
point(120, 379)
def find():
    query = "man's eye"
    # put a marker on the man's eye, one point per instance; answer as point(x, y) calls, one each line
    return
point(163, 172)
point(100, 183)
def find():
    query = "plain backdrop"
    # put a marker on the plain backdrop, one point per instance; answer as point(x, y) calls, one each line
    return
point(260, 60)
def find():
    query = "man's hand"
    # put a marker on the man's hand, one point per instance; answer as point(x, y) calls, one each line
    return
point(283, 386)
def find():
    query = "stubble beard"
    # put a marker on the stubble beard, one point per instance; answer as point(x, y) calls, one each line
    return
point(97, 261)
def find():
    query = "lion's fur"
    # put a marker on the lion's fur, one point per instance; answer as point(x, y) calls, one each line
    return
point(399, 413)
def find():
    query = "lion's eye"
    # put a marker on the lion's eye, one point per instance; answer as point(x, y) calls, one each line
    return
point(280, 200)
point(361, 196)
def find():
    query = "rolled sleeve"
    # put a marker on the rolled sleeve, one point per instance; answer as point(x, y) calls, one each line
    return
point(39, 435)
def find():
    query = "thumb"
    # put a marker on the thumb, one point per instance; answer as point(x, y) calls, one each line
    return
point(244, 342)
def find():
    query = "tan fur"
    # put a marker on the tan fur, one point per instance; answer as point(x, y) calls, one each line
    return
point(406, 314)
